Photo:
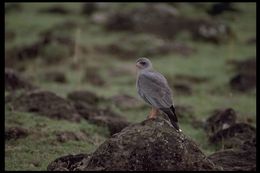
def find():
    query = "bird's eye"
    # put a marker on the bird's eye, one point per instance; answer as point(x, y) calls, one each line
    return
point(143, 63)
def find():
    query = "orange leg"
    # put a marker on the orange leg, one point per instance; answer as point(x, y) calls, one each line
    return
point(154, 112)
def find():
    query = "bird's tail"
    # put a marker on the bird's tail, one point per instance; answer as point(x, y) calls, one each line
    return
point(170, 112)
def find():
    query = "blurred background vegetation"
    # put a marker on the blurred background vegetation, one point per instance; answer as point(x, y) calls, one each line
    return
point(206, 52)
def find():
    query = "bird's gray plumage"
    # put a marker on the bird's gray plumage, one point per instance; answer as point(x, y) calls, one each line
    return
point(153, 88)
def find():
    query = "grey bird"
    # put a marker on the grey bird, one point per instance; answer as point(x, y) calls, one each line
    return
point(153, 88)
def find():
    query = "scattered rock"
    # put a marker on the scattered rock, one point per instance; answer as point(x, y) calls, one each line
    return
point(190, 79)
point(208, 31)
point(223, 129)
point(235, 159)
point(182, 88)
point(244, 66)
point(243, 82)
point(122, 70)
point(220, 120)
point(53, 48)
point(219, 8)
point(55, 76)
point(93, 77)
point(234, 136)
point(67, 135)
point(54, 45)
point(184, 111)
point(125, 101)
point(55, 10)
point(245, 79)
point(145, 45)
point(15, 133)
point(156, 16)
point(25, 52)
point(147, 146)
point(163, 20)
point(14, 81)
point(84, 96)
point(251, 41)
point(69, 163)
point(89, 8)
point(9, 35)
point(11, 7)
point(45, 103)
point(103, 117)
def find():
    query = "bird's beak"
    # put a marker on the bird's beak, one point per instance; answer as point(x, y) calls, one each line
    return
point(138, 65)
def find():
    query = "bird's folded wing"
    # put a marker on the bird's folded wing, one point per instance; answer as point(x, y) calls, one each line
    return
point(153, 86)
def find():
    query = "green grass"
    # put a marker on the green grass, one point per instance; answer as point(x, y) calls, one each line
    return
point(41, 145)
point(209, 61)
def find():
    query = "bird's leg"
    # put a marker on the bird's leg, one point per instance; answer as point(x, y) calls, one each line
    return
point(153, 113)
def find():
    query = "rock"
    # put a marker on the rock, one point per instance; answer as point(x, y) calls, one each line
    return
point(55, 76)
point(234, 136)
point(102, 117)
point(163, 20)
point(84, 96)
point(14, 81)
point(185, 114)
point(251, 41)
point(235, 159)
point(45, 103)
point(209, 31)
point(156, 16)
point(243, 82)
point(55, 10)
point(220, 120)
point(10, 35)
point(245, 79)
point(69, 163)
point(247, 66)
point(182, 88)
point(223, 129)
point(65, 136)
point(125, 101)
point(145, 45)
point(190, 79)
point(152, 145)
point(13, 7)
point(89, 8)
point(15, 133)
point(219, 8)
point(92, 76)
point(54, 47)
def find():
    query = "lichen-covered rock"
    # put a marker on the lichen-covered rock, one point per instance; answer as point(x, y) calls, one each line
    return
point(164, 20)
point(234, 136)
point(69, 163)
point(125, 101)
point(15, 133)
point(102, 117)
point(245, 78)
point(14, 81)
point(219, 120)
point(45, 103)
point(152, 145)
point(237, 159)
point(223, 129)
point(55, 76)
point(84, 96)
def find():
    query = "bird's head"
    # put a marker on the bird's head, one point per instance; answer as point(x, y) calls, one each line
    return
point(143, 63)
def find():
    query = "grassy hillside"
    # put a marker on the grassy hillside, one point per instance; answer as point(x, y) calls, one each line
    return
point(209, 61)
